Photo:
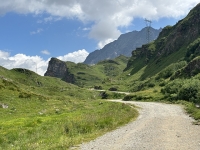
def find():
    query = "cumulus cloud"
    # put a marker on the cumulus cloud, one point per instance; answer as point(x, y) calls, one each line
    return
point(107, 16)
point(77, 56)
point(36, 63)
point(4, 55)
point(46, 52)
point(102, 43)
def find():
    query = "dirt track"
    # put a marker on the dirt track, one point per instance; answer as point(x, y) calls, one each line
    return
point(158, 127)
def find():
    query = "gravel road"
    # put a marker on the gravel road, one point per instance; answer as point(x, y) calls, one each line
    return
point(158, 127)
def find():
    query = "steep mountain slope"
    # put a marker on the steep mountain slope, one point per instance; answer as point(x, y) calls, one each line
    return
point(175, 43)
point(122, 46)
point(87, 75)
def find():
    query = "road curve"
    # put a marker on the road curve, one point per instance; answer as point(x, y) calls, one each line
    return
point(158, 127)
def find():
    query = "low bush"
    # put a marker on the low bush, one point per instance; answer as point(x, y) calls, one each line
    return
point(135, 97)
point(187, 89)
point(129, 97)
point(113, 89)
point(151, 85)
point(111, 95)
point(96, 87)
point(24, 95)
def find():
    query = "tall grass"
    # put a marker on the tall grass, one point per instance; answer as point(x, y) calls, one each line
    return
point(53, 115)
point(65, 129)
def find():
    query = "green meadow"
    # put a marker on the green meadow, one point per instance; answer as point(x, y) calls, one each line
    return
point(47, 113)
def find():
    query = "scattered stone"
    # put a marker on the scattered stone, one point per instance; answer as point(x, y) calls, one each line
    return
point(197, 106)
point(4, 106)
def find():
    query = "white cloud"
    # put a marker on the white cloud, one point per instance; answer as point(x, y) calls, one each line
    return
point(4, 55)
point(36, 63)
point(107, 16)
point(77, 56)
point(101, 44)
point(23, 61)
point(46, 52)
point(36, 32)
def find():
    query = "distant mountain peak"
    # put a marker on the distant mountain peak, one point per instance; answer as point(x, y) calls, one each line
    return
point(124, 45)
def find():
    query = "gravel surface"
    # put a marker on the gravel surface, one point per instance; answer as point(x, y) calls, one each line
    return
point(158, 127)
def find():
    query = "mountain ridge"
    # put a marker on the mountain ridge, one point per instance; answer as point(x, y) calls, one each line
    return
point(124, 45)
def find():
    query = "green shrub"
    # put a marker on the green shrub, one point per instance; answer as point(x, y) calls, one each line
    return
point(104, 95)
point(129, 97)
point(132, 97)
point(113, 89)
point(151, 85)
point(189, 91)
point(96, 87)
point(172, 87)
point(111, 95)
point(162, 84)
point(24, 95)
point(185, 89)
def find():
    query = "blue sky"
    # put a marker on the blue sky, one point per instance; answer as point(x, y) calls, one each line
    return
point(33, 31)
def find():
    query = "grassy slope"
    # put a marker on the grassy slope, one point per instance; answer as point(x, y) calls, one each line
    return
point(47, 113)
point(101, 74)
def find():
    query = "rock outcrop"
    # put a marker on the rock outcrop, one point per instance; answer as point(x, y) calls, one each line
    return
point(58, 68)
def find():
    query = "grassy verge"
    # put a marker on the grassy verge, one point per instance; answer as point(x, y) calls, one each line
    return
point(192, 110)
point(155, 95)
point(61, 129)
point(46, 113)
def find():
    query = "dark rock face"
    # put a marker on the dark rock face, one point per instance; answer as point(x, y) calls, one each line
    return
point(58, 68)
point(124, 45)
point(193, 67)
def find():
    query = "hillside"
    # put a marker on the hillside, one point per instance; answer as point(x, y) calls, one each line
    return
point(124, 45)
point(175, 43)
point(87, 75)
point(168, 68)
point(47, 113)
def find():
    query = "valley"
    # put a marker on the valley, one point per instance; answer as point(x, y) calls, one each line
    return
point(60, 111)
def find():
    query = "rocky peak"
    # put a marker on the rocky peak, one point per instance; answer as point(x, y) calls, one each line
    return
point(124, 45)
point(56, 68)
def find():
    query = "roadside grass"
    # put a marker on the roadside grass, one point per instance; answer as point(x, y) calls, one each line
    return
point(154, 95)
point(191, 109)
point(151, 94)
point(47, 113)
point(57, 127)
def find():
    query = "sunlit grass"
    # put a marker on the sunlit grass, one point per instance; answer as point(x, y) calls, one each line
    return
point(54, 115)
